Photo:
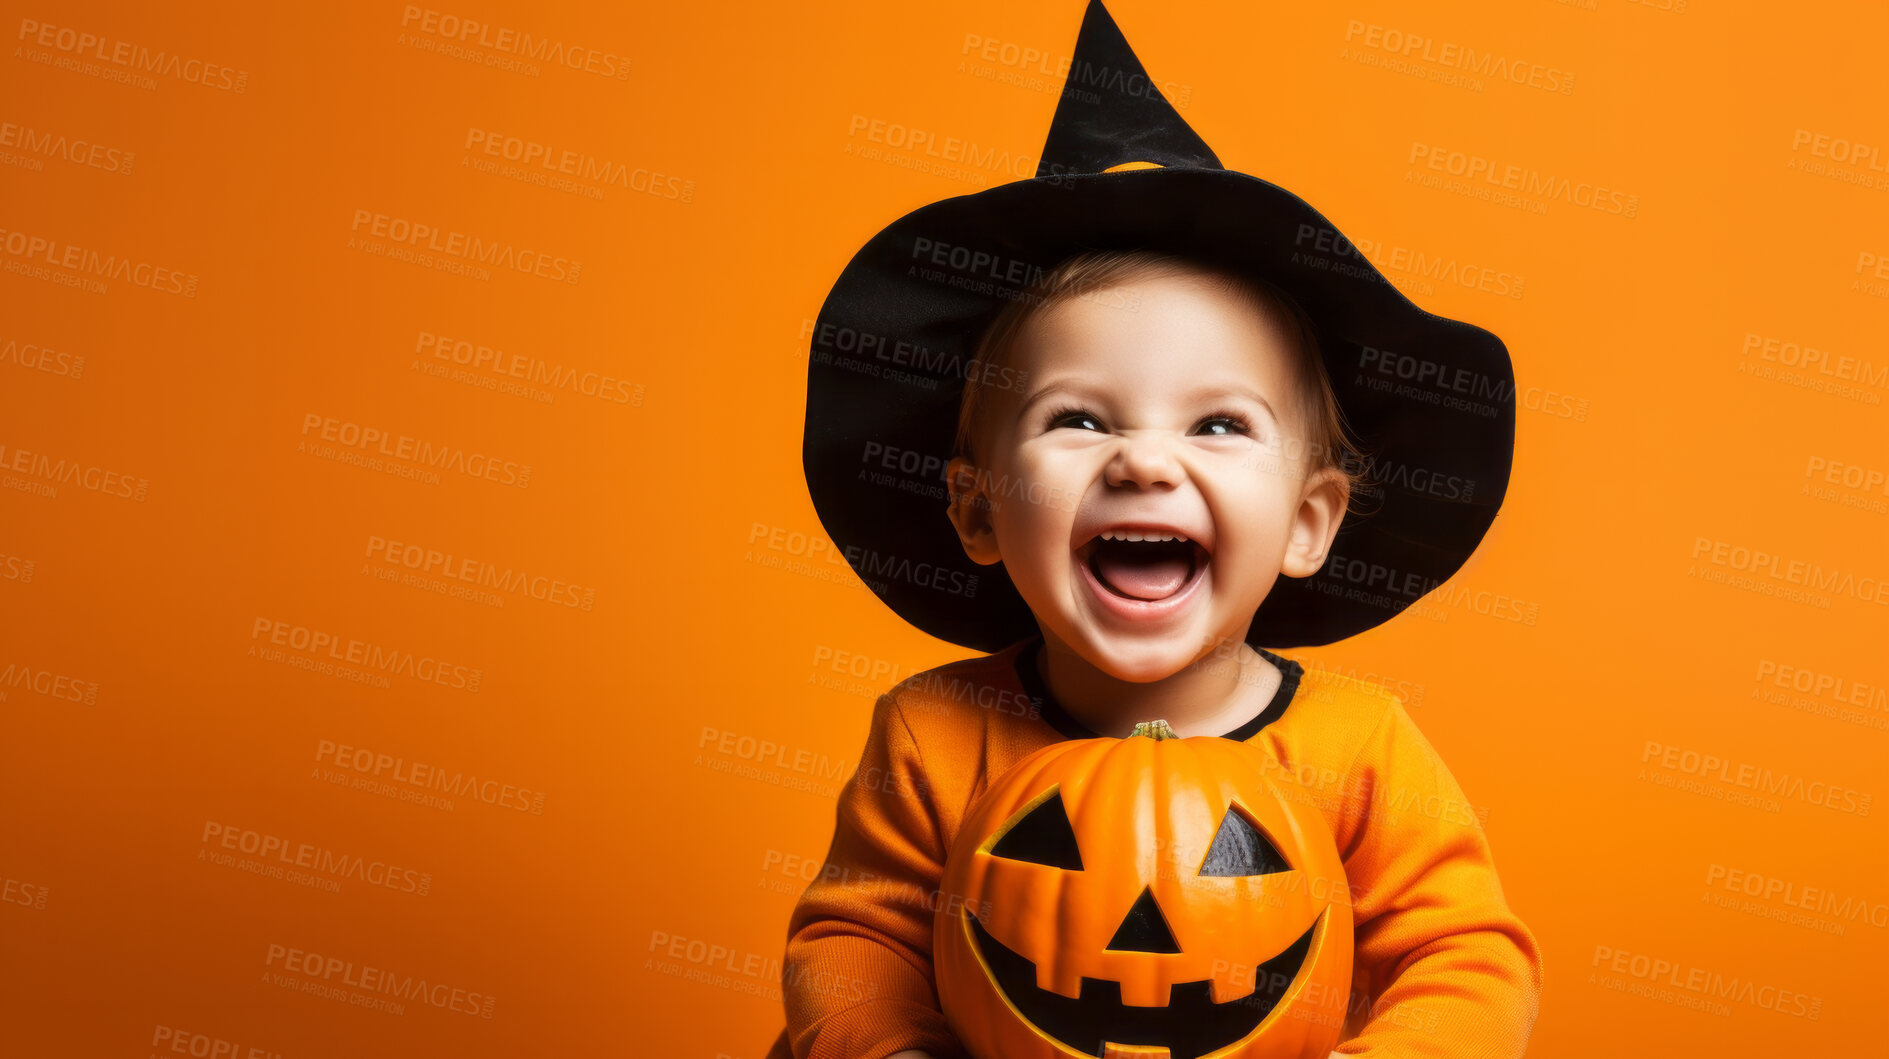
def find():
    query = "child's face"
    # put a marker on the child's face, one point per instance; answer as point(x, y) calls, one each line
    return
point(1162, 408)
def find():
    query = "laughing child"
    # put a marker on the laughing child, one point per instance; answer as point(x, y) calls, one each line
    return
point(1146, 380)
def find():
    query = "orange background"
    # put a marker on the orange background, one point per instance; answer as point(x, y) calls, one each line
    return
point(118, 920)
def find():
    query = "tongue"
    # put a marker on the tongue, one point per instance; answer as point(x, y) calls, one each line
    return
point(1142, 573)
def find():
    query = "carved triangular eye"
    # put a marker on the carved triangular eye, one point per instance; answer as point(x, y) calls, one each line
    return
point(1240, 849)
point(1042, 836)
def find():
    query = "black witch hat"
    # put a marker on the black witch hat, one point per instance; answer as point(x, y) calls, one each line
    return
point(1432, 400)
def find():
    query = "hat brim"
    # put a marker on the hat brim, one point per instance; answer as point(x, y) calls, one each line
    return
point(1430, 400)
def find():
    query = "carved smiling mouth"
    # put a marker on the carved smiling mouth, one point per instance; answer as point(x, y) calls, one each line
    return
point(1191, 1025)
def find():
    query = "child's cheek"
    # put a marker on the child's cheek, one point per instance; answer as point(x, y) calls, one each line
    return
point(1037, 532)
point(1053, 480)
point(1248, 554)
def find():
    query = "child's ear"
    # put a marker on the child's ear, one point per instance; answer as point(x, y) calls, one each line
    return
point(970, 511)
point(1315, 524)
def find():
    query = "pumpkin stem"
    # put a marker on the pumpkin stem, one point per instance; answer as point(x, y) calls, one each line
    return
point(1156, 730)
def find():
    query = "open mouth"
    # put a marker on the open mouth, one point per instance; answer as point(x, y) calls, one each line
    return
point(1143, 566)
point(1191, 1024)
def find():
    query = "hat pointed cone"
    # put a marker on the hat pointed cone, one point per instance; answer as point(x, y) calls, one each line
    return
point(1111, 113)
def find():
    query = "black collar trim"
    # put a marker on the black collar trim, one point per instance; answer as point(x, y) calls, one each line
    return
point(1058, 718)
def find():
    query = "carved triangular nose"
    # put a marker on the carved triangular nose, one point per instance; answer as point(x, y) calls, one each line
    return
point(1144, 929)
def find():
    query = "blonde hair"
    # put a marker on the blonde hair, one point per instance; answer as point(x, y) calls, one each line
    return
point(1328, 442)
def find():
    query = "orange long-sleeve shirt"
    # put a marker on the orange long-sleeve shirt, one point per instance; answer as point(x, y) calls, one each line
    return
point(1444, 968)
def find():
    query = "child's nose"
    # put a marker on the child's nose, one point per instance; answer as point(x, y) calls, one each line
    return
point(1145, 459)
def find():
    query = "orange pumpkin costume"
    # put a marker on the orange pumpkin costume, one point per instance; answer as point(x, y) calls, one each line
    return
point(1444, 968)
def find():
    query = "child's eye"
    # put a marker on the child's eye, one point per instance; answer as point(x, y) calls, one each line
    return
point(1223, 425)
point(1076, 419)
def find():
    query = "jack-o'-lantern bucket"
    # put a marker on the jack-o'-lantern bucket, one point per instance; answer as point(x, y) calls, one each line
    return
point(1151, 897)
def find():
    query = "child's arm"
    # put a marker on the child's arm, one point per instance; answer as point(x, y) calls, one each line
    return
point(1454, 971)
point(857, 978)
